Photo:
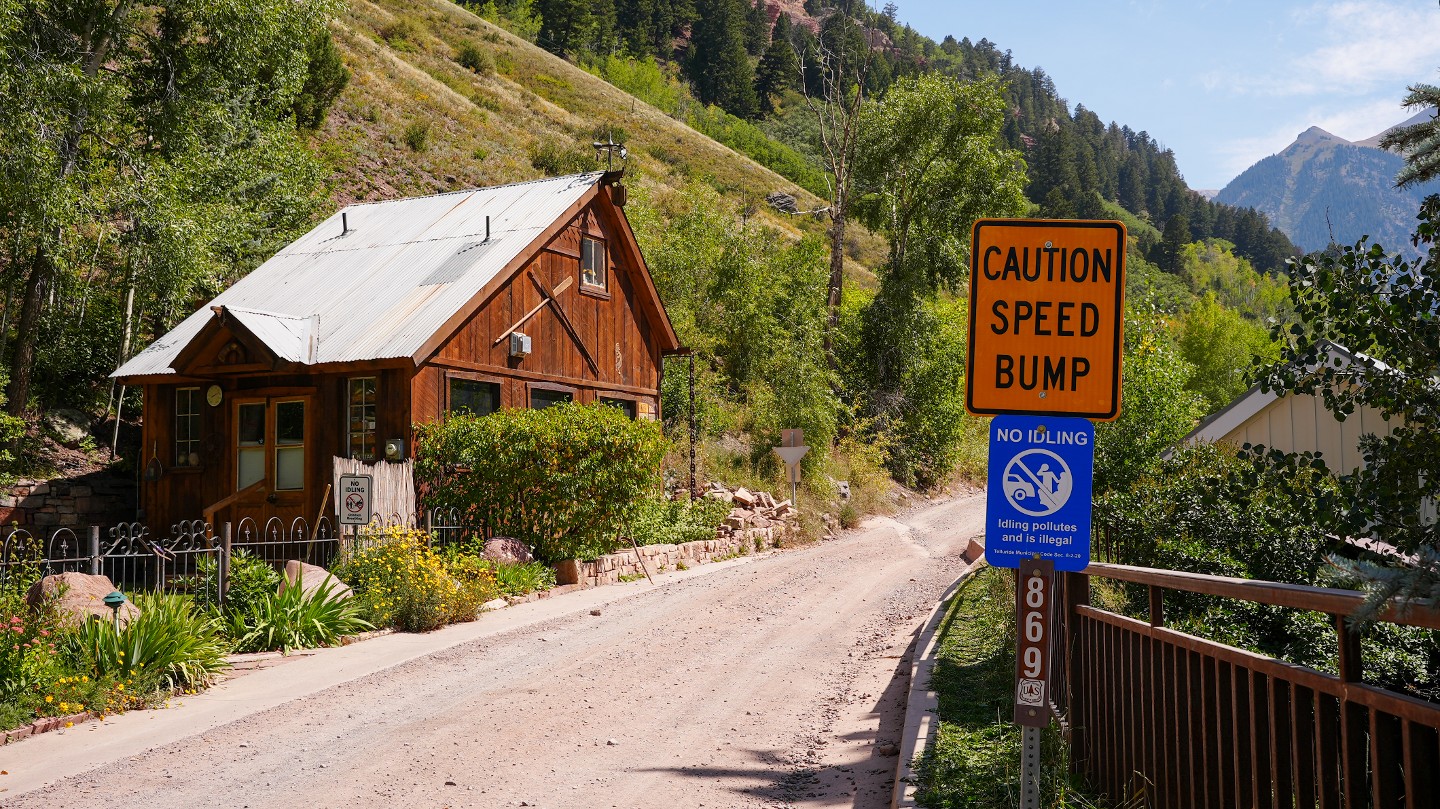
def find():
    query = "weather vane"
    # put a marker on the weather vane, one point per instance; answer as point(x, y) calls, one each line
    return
point(610, 148)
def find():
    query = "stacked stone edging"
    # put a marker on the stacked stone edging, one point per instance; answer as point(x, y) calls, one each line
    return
point(609, 569)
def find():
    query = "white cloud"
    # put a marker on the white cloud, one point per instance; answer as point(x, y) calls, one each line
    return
point(1350, 48)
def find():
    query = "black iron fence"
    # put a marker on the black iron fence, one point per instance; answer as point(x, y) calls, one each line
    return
point(135, 559)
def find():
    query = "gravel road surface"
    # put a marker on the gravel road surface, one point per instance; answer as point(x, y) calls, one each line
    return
point(779, 682)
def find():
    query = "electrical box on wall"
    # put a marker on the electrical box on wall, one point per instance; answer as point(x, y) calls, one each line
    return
point(519, 345)
point(395, 449)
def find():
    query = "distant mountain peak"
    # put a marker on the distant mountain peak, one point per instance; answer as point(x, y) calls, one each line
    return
point(1315, 135)
point(1374, 140)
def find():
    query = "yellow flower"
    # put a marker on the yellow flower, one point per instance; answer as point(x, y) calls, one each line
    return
point(49, 698)
point(69, 724)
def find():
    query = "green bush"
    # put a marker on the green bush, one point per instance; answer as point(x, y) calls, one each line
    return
point(404, 33)
point(563, 480)
point(326, 76)
point(417, 135)
point(658, 521)
point(252, 581)
point(170, 645)
point(294, 619)
point(401, 582)
point(557, 160)
point(474, 58)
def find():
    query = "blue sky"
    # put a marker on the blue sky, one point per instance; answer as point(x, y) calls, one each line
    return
point(1223, 83)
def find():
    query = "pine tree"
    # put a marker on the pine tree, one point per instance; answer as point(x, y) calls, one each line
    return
point(1419, 142)
point(717, 63)
point(757, 28)
point(779, 68)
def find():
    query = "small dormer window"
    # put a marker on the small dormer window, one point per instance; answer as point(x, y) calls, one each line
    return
point(592, 263)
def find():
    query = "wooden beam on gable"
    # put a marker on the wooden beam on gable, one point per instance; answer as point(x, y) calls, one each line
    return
point(446, 330)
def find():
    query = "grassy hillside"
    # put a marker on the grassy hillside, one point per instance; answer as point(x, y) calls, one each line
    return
point(414, 120)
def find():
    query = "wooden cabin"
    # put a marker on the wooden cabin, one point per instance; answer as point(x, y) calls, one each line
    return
point(385, 315)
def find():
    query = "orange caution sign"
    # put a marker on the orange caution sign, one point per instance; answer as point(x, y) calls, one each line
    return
point(1047, 311)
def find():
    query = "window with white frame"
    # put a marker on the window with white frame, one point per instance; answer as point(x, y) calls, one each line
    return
point(592, 263)
point(360, 413)
point(187, 427)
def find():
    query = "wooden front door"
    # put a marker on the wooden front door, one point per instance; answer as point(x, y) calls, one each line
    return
point(272, 441)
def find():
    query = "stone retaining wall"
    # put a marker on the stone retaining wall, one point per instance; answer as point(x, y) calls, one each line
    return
point(609, 568)
point(100, 498)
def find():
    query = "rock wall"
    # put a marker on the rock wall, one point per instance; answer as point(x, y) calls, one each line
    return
point(609, 568)
point(100, 498)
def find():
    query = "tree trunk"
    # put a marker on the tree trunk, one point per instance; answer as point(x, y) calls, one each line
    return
point(26, 334)
point(837, 279)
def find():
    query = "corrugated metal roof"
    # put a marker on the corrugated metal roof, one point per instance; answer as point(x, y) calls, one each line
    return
point(381, 289)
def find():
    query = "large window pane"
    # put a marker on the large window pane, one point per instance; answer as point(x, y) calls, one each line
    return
point(252, 467)
point(252, 425)
point(474, 397)
point(290, 423)
point(360, 418)
point(289, 467)
point(541, 398)
point(592, 262)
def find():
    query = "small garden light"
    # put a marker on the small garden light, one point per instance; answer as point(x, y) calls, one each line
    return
point(115, 601)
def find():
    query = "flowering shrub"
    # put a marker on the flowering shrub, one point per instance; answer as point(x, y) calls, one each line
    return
point(400, 581)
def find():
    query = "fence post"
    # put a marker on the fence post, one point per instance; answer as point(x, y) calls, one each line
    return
point(1077, 593)
point(1354, 719)
point(95, 550)
point(222, 584)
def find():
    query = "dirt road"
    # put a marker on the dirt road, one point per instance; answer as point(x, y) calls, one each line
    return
point(775, 683)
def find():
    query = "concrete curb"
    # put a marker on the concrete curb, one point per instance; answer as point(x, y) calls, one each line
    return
point(923, 705)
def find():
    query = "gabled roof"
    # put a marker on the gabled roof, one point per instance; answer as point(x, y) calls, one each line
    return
point(378, 280)
point(1220, 424)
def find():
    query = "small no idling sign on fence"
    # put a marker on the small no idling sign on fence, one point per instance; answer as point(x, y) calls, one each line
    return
point(355, 501)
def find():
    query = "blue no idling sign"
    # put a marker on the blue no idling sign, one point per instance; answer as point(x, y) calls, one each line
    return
point(1042, 473)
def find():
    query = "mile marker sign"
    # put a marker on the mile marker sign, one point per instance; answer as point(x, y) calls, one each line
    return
point(1047, 304)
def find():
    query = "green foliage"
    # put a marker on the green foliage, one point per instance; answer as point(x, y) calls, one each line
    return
point(1223, 347)
point(1156, 407)
point(159, 157)
point(643, 78)
point(417, 135)
point(558, 160)
point(659, 521)
point(475, 58)
point(294, 619)
point(750, 303)
point(563, 480)
point(404, 33)
point(1420, 143)
point(252, 581)
point(749, 140)
point(929, 162)
point(400, 581)
point(170, 645)
point(326, 77)
point(1381, 311)
point(974, 760)
point(523, 579)
point(1211, 266)
point(716, 61)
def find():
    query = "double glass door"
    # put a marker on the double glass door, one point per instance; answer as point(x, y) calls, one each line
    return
point(270, 447)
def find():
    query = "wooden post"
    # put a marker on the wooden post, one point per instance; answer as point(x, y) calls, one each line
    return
point(222, 584)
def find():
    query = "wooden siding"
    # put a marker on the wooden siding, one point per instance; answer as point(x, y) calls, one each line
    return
point(612, 325)
point(1300, 423)
point(184, 493)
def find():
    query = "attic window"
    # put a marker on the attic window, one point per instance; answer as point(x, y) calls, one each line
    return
point(592, 263)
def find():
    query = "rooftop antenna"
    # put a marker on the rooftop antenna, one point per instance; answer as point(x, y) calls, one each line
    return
point(610, 149)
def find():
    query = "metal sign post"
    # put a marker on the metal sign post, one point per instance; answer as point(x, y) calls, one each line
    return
point(792, 449)
point(1046, 340)
point(1034, 590)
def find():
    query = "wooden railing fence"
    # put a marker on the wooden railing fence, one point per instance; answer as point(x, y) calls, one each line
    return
point(1194, 723)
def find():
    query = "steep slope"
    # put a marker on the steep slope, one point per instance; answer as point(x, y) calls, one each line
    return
point(1323, 188)
point(414, 120)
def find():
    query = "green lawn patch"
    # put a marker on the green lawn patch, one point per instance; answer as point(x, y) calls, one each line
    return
point(974, 761)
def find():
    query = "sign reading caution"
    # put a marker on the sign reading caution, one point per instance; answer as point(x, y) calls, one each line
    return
point(1047, 303)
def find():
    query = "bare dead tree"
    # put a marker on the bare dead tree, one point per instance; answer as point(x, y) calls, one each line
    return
point(841, 75)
